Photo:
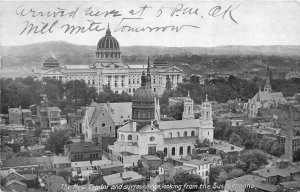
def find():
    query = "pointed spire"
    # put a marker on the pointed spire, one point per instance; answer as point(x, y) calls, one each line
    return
point(108, 33)
point(188, 93)
point(148, 75)
point(206, 98)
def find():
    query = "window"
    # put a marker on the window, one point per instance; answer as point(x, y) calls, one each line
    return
point(185, 134)
point(189, 150)
point(129, 90)
point(110, 128)
point(193, 133)
point(173, 150)
point(170, 134)
point(103, 124)
point(178, 134)
point(129, 138)
point(151, 150)
point(206, 173)
point(152, 138)
point(154, 90)
point(181, 150)
point(95, 129)
point(122, 137)
point(165, 151)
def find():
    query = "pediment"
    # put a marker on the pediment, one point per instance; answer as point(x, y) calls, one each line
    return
point(173, 70)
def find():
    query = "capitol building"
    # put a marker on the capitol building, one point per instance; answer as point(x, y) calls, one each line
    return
point(106, 68)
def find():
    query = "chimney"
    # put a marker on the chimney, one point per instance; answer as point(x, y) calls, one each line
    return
point(134, 126)
point(82, 137)
point(121, 174)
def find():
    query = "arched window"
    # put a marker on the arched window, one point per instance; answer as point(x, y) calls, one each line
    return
point(178, 134)
point(165, 151)
point(122, 137)
point(189, 150)
point(173, 150)
point(185, 134)
point(181, 150)
point(170, 134)
point(193, 133)
point(129, 137)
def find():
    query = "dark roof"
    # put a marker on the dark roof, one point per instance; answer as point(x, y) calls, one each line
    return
point(143, 94)
point(20, 161)
point(83, 146)
point(55, 182)
point(108, 42)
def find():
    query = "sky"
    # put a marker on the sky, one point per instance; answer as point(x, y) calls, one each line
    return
point(199, 23)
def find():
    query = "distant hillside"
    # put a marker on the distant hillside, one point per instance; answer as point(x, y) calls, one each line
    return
point(21, 59)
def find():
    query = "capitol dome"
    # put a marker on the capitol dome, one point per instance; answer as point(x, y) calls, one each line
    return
point(108, 49)
point(108, 41)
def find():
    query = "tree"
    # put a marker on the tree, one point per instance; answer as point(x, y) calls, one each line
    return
point(255, 157)
point(37, 132)
point(235, 139)
point(182, 178)
point(56, 141)
point(241, 165)
point(222, 177)
point(236, 173)
point(262, 143)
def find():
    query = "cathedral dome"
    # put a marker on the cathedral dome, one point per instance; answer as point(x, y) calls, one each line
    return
point(108, 41)
point(143, 94)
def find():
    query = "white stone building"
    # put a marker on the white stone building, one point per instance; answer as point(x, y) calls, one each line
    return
point(106, 68)
point(146, 134)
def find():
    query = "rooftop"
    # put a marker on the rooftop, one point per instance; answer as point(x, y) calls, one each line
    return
point(179, 124)
point(274, 171)
point(122, 178)
point(55, 182)
point(60, 159)
point(226, 147)
point(151, 158)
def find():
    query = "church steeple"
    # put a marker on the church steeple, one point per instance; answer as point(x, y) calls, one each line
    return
point(188, 107)
point(148, 75)
point(267, 87)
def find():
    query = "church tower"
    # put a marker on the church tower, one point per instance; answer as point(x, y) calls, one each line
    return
point(188, 108)
point(143, 104)
point(206, 130)
point(267, 87)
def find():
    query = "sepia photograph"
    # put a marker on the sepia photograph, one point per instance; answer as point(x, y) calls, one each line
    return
point(150, 96)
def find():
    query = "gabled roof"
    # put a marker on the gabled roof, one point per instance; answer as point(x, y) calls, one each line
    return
point(173, 69)
point(179, 124)
point(149, 127)
point(15, 181)
point(126, 128)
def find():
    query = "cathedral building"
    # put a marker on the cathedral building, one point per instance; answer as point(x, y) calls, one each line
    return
point(106, 68)
point(145, 133)
point(265, 98)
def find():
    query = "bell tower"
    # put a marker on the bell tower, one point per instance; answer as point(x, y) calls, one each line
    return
point(206, 130)
point(188, 108)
